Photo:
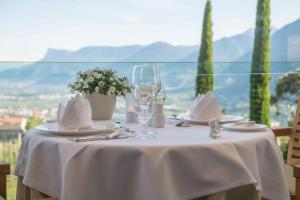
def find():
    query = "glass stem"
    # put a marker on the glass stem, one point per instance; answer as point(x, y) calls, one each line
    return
point(145, 126)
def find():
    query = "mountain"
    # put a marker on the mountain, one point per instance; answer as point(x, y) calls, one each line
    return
point(228, 49)
point(285, 44)
point(67, 63)
point(91, 54)
point(182, 59)
point(285, 56)
point(56, 54)
point(46, 71)
point(225, 50)
point(160, 52)
point(155, 52)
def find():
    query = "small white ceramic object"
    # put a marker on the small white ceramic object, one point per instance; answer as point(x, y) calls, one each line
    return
point(102, 106)
point(214, 125)
point(159, 118)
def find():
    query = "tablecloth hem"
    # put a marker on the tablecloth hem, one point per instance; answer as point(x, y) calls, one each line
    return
point(228, 187)
point(38, 188)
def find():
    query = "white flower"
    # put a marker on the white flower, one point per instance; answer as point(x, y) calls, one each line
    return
point(96, 75)
point(85, 85)
point(124, 91)
point(97, 89)
point(101, 83)
point(90, 79)
point(111, 90)
point(125, 82)
point(97, 79)
point(77, 86)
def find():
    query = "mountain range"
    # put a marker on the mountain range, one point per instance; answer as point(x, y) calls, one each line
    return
point(178, 63)
point(285, 57)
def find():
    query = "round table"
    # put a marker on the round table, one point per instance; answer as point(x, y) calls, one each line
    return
point(180, 163)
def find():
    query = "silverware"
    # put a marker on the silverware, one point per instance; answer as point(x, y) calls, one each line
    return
point(126, 129)
point(47, 121)
point(248, 123)
point(113, 135)
point(182, 124)
point(176, 117)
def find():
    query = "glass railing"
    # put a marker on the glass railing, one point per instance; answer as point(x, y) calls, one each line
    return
point(32, 91)
point(35, 89)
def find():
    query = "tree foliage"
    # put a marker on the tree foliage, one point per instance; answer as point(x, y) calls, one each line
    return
point(260, 67)
point(287, 87)
point(287, 92)
point(33, 122)
point(205, 77)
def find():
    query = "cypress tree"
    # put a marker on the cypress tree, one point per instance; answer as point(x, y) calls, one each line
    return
point(205, 77)
point(260, 67)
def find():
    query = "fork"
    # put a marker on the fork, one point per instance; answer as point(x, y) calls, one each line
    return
point(113, 135)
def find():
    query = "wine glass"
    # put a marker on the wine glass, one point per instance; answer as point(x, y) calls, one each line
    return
point(135, 76)
point(158, 82)
point(146, 73)
point(145, 86)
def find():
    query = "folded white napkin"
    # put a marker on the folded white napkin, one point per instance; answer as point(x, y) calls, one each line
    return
point(75, 114)
point(205, 107)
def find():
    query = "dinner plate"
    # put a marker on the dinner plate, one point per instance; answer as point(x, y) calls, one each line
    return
point(244, 127)
point(225, 119)
point(97, 127)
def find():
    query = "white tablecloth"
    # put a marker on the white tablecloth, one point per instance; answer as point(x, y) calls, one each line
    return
point(181, 163)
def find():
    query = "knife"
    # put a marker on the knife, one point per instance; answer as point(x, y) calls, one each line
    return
point(95, 138)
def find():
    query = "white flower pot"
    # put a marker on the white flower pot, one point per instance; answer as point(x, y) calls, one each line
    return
point(102, 106)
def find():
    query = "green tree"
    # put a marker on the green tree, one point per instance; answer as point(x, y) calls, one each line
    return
point(260, 68)
point(287, 87)
point(33, 122)
point(287, 91)
point(205, 77)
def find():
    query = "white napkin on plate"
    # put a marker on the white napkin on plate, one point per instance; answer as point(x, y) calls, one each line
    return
point(75, 114)
point(205, 107)
point(196, 100)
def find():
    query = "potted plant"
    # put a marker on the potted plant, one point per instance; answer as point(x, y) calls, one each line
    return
point(100, 87)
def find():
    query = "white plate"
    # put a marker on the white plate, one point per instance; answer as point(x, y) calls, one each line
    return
point(225, 119)
point(97, 127)
point(244, 127)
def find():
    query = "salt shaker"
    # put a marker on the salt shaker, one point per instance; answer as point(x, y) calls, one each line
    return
point(214, 125)
point(159, 118)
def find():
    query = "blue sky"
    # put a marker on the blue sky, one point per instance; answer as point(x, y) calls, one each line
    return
point(30, 27)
